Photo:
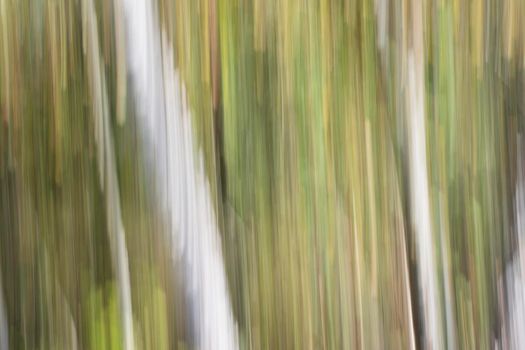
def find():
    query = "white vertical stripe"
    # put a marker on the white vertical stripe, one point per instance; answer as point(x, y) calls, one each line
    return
point(178, 169)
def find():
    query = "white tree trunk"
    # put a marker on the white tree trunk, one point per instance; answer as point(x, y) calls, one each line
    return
point(419, 194)
point(179, 177)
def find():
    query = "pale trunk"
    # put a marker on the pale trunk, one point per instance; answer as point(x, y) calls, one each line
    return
point(419, 194)
point(181, 185)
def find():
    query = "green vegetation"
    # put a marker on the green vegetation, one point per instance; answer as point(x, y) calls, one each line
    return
point(300, 109)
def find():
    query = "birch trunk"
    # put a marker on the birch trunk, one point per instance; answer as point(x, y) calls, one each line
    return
point(419, 194)
point(177, 167)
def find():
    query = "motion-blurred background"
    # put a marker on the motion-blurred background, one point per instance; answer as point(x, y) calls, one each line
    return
point(262, 174)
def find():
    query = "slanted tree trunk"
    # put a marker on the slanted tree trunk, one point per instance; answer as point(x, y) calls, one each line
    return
point(180, 183)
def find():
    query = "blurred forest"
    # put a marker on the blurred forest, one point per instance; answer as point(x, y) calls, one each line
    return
point(364, 158)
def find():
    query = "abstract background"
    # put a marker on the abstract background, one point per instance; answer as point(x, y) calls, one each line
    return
point(266, 174)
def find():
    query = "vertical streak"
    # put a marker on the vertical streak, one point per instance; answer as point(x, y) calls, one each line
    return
point(449, 313)
point(5, 70)
point(108, 172)
point(358, 273)
point(4, 330)
point(411, 336)
point(181, 186)
point(419, 181)
point(514, 323)
point(121, 62)
point(372, 204)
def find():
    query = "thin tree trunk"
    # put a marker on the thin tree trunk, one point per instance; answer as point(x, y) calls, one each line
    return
point(108, 172)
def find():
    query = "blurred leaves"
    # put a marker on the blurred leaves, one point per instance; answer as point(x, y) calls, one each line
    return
point(300, 109)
